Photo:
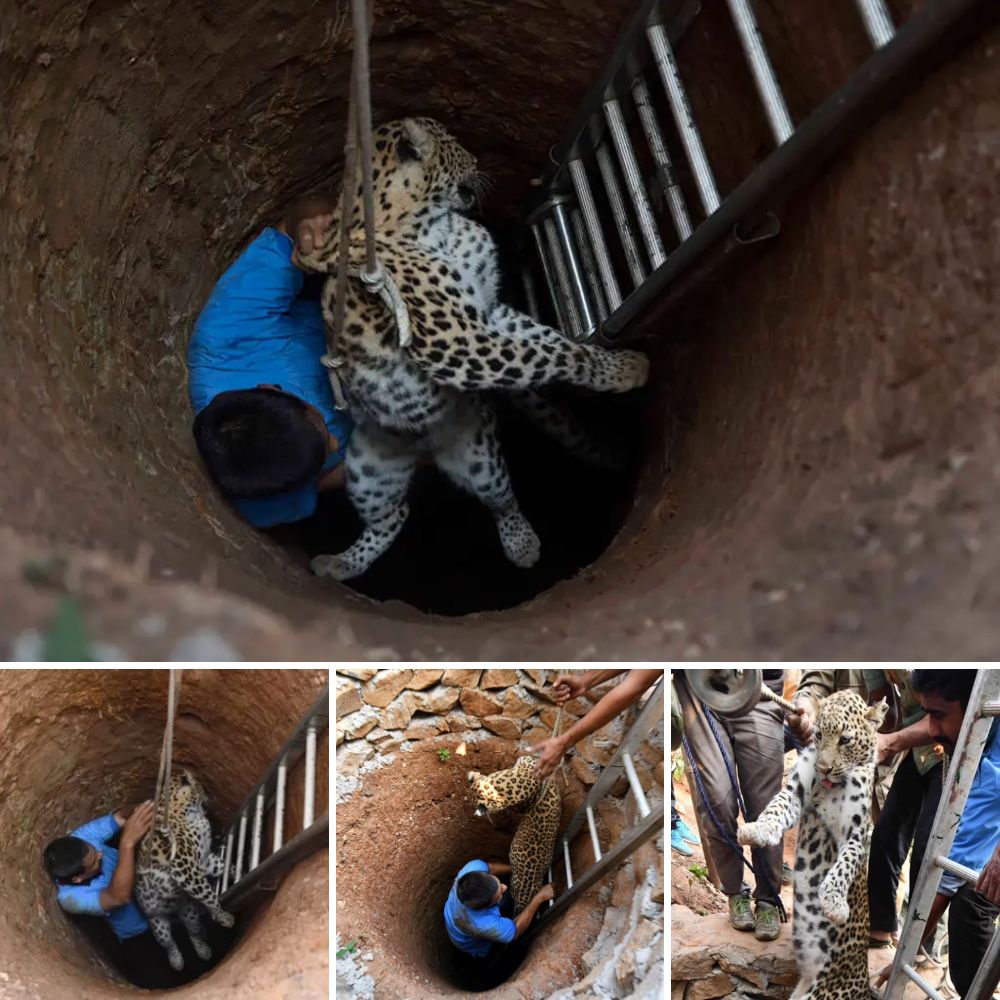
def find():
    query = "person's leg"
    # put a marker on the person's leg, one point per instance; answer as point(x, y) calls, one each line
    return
point(759, 741)
point(970, 931)
point(718, 791)
point(679, 830)
point(931, 797)
point(891, 839)
point(675, 816)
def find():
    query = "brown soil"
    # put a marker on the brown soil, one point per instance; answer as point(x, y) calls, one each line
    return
point(75, 744)
point(822, 433)
point(401, 838)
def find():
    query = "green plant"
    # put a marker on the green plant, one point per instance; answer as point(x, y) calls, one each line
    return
point(349, 949)
point(699, 873)
point(443, 755)
point(66, 640)
point(677, 766)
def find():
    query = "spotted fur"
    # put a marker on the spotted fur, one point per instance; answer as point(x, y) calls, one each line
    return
point(172, 871)
point(829, 795)
point(425, 398)
point(532, 846)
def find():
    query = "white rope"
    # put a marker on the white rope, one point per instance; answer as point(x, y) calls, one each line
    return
point(162, 797)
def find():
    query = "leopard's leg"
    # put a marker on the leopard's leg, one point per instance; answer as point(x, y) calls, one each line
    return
point(836, 884)
point(783, 811)
point(160, 926)
point(474, 461)
point(213, 863)
point(463, 350)
point(191, 918)
point(199, 888)
point(378, 478)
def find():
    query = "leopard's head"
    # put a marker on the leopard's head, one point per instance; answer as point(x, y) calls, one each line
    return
point(186, 790)
point(503, 789)
point(845, 735)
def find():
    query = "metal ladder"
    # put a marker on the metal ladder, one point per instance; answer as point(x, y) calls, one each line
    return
point(241, 884)
point(961, 774)
point(598, 274)
point(650, 823)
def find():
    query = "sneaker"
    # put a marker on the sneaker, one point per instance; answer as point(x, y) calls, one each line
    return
point(685, 831)
point(766, 923)
point(677, 843)
point(739, 913)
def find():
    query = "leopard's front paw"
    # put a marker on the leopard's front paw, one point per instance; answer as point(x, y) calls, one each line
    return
point(834, 907)
point(755, 835)
point(225, 918)
point(519, 541)
point(634, 371)
point(335, 567)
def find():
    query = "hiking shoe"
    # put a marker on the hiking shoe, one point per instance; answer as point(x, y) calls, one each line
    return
point(677, 843)
point(766, 923)
point(739, 913)
point(685, 831)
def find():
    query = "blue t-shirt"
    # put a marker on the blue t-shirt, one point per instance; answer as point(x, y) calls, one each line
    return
point(979, 828)
point(255, 330)
point(474, 931)
point(126, 921)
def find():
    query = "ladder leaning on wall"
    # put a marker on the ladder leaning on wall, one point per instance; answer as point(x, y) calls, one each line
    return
point(650, 820)
point(984, 705)
point(246, 875)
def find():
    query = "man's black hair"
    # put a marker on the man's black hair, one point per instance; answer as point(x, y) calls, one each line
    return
point(952, 685)
point(476, 889)
point(258, 442)
point(64, 858)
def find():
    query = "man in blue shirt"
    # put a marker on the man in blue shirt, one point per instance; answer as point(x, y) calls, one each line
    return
point(266, 423)
point(97, 880)
point(477, 911)
point(972, 910)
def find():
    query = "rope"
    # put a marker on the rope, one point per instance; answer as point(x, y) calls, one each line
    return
point(733, 846)
point(375, 277)
point(163, 776)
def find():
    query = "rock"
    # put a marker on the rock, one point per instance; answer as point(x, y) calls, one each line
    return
point(426, 729)
point(577, 707)
point(456, 722)
point(479, 704)
point(582, 769)
point(382, 688)
point(358, 673)
point(677, 988)
point(611, 817)
point(440, 699)
point(624, 885)
point(398, 714)
point(350, 757)
point(539, 691)
point(744, 972)
point(348, 697)
point(357, 724)
point(507, 728)
point(691, 963)
point(657, 894)
point(535, 736)
point(378, 736)
point(631, 954)
point(518, 704)
point(592, 752)
point(423, 679)
point(538, 676)
point(717, 984)
point(340, 737)
point(547, 717)
point(389, 745)
point(658, 773)
point(498, 679)
point(461, 678)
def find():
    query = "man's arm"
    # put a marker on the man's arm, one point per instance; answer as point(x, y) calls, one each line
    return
point(989, 878)
point(523, 920)
point(615, 701)
point(889, 744)
point(498, 868)
point(119, 891)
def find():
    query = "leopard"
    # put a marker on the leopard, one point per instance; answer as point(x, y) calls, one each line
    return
point(829, 795)
point(429, 398)
point(533, 844)
point(173, 869)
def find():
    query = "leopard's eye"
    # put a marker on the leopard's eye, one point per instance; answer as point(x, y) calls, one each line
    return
point(817, 735)
point(844, 740)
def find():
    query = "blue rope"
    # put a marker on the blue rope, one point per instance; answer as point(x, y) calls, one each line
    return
point(733, 846)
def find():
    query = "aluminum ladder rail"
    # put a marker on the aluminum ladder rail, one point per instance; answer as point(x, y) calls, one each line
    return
point(574, 241)
point(239, 884)
point(650, 822)
point(961, 774)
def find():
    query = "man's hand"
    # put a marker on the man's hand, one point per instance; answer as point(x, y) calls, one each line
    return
point(549, 754)
point(567, 686)
point(138, 824)
point(804, 722)
point(545, 894)
point(883, 976)
point(309, 235)
point(885, 748)
point(989, 878)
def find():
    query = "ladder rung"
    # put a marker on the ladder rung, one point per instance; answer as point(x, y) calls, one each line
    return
point(629, 244)
point(633, 182)
point(953, 867)
point(683, 117)
point(239, 848)
point(562, 277)
point(551, 901)
point(878, 22)
point(589, 267)
point(226, 860)
point(581, 296)
point(258, 823)
point(991, 708)
point(530, 297)
point(633, 780)
point(762, 70)
point(664, 166)
point(569, 871)
point(279, 805)
point(922, 983)
point(310, 782)
point(550, 278)
point(585, 199)
point(593, 834)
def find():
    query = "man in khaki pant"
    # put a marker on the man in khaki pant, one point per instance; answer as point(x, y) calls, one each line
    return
point(754, 745)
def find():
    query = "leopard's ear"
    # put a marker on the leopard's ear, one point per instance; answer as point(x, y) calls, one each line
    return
point(472, 777)
point(415, 142)
point(876, 714)
point(525, 763)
